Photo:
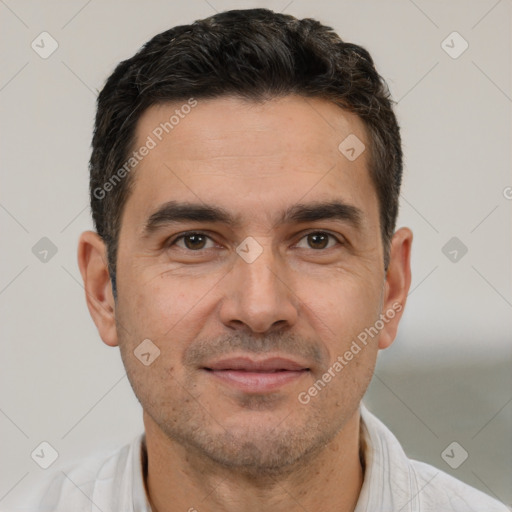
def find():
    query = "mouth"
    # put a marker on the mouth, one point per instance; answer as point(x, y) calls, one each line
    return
point(254, 376)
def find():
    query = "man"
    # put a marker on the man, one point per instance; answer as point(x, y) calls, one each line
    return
point(245, 175)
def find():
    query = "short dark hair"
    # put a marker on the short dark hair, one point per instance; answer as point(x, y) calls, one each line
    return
point(253, 54)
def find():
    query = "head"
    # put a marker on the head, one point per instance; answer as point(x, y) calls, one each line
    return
point(245, 175)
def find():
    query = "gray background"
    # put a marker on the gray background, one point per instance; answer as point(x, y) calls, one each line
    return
point(447, 376)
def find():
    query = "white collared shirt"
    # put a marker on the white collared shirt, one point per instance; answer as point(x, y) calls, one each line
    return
point(395, 483)
point(392, 482)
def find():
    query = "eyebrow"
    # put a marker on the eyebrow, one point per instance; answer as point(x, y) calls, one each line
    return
point(174, 212)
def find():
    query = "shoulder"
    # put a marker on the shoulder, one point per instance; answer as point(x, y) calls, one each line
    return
point(440, 491)
point(409, 485)
point(91, 484)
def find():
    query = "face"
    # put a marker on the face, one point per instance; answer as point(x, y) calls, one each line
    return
point(250, 255)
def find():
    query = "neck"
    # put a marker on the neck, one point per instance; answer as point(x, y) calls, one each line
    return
point(180, 479)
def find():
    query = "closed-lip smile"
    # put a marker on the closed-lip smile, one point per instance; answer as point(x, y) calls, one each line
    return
point(256, 376)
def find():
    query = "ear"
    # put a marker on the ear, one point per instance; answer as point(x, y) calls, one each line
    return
point(92, 260)
point(397, 284)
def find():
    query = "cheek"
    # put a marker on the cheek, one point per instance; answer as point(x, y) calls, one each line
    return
point(159, 304)
point(156, 314)
point(171, 315)
point(341, 307)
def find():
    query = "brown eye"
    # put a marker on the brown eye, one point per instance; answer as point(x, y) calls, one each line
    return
point(319, 240)
point(192, 241)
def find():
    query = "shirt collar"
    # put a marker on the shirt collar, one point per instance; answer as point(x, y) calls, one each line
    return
point(389, 480)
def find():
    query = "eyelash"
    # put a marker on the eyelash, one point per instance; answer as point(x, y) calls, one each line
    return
point(172, 241)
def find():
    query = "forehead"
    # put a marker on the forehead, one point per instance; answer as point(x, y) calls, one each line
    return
point(244, 155)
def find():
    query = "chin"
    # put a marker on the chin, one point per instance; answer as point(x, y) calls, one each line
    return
point(258, 448)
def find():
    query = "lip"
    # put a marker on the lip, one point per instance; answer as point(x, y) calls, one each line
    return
point(256, 376)
point(270, 364)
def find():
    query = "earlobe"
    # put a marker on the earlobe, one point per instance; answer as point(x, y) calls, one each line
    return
point(92, 261)
point(397, 284)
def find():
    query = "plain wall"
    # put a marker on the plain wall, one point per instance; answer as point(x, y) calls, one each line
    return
point(447, 376)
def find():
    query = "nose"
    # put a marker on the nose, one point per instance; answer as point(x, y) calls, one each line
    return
point(259, 295)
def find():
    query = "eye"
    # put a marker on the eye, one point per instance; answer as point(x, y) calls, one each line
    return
point(192, 241)
point(196, 241)
point(318, 240)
